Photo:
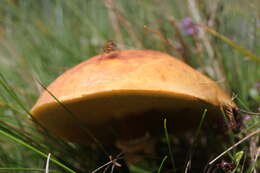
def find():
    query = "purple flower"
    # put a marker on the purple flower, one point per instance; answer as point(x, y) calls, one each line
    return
point(191, 31)
point(247, 117)
point(226, 166)
point(188, 27)
point(186, 22)
point(257, 85)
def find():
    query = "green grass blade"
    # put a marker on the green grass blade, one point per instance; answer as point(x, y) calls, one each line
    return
point(200, 124)
point(4, 84)
point(37, 151)
point(198, 130)
point(26, 169)
point(73, 116)
point(168, 143)
point(161, 165)
point(136, 169)
point(230, 42)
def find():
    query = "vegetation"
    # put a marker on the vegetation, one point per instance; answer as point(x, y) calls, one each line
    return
point(41, 39)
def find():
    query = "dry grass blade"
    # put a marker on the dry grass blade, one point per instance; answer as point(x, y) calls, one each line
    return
point(188, 166)
point(236, 144)
point(255, 159)
point(118, 18)
point(113, 163)
point(110, 5)
point(194, 10)
point(186, 54)
point(47, 163)
point(164, 39)
point(213, 57)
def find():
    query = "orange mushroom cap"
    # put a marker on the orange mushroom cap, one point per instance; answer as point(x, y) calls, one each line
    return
point(124, 94)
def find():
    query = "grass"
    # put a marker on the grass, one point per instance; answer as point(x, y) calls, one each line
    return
point(39, 40)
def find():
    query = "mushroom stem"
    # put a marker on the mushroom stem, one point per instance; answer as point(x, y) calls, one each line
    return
point(136, 149)
point(134, 138)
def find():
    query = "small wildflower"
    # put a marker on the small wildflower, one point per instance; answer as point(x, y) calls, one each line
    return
point(247, 117)
point(186, 22)
point(226, 167)
point(191, 31)
point(257, 85)
point(189, 28)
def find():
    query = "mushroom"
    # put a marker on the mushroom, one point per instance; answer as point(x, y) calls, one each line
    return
point(125, 95)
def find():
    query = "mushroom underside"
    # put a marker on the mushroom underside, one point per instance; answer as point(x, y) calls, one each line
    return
point(124, 115)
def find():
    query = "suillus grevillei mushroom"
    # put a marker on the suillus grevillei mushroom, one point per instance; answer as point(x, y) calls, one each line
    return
point(125, 95)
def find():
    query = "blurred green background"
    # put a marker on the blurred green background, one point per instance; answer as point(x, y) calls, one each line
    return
point(39, 40)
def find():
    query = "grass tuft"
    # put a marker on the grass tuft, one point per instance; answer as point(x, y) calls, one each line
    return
point(41, 39)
